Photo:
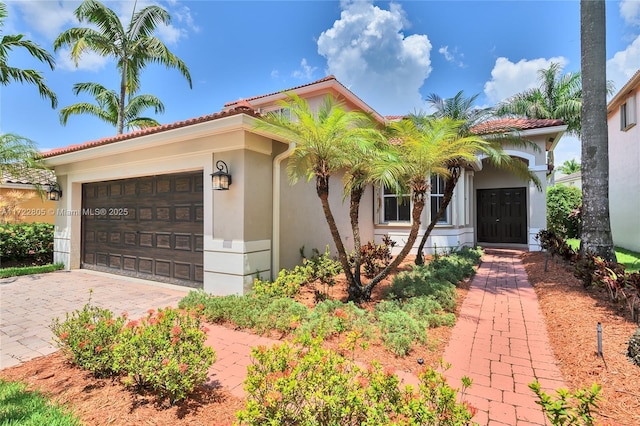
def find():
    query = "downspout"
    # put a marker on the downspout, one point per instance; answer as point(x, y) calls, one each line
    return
point(275, 239)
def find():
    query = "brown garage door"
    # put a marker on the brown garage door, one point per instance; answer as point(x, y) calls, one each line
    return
point(149, 227)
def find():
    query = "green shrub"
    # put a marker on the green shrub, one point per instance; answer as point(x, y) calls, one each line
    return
point(87, 337)
point(22, 241)
point(282, 314)
point(164, 351)
point(427, 310)
point(30, 270)
point(421, 282)
point(398, 329)
point(290, 384)
point(561, 201)
point(332, 317)
point(568, 408)
point(287, 284)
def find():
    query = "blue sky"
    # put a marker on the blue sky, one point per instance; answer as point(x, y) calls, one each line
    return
point(392, 55)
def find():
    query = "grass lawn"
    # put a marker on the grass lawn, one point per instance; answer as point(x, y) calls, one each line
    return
point(628, 258)
point(21, 407)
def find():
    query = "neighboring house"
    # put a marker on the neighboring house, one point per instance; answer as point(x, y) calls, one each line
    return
point(20, 200)
point(573, 179)
point(141, 204)
point(624, 165)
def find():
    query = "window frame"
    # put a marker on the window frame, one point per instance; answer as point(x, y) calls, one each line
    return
point(437, 192)
point(628, 117)
point(388, 193)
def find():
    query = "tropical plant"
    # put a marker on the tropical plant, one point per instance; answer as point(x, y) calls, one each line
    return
point(107, 107)
point(559, 96)
point(18, 155)
point(9, 73)
point(596, 235)
point(325, 139)
point(561, 202)
point(569, 167)
point(462, 108)
point(132, 48)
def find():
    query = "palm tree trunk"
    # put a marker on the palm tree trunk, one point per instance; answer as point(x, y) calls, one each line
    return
point(596, 228)
point(322, 189)
point(449, 186)
point(418, 207)
point(354, 213)
point(123, 93)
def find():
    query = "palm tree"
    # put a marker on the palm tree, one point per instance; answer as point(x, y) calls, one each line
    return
point(596, 227)
point(557, 97)
point(324, 140)
point(132, 48)
point(462, 108)
point(18, 155)
point(9, 74)
point(569, 167)
point(108, 106)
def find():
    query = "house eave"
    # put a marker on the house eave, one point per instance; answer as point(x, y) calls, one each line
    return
point(208, 128)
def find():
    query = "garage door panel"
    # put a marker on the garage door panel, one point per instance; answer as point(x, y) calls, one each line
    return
point(161, 235)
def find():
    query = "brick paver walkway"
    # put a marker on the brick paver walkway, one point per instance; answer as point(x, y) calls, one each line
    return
point(500, 341)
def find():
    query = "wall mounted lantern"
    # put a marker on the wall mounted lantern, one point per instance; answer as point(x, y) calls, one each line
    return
point(221, 179)
point(54, 192)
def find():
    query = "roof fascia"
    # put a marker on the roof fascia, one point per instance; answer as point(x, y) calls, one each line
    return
point(208, 128)
point(629, 87)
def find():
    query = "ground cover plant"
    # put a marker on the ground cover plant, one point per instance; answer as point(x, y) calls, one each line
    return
point(420, 299)
point(19, 406)
point(29, 270)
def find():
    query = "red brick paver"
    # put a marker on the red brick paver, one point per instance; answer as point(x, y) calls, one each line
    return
point(500, 341)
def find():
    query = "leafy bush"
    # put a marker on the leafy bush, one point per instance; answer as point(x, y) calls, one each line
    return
point(376, 257)
point(323, 270)
point(291, 384)
point(421, 281)
point(427, 310)
point(567, 408)
point(287, 284)
point(561, 201)
point(21, 241)
point(87, 337)
point(398, 329)
point(332, 317)
point(164, 351)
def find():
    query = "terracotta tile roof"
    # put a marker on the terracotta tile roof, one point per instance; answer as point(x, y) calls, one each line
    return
point(29, 177)
point(241, 109)
point(395, 117)
point(246, 101)
point(511, 124)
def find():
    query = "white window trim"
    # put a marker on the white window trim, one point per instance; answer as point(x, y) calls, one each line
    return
point(427, 207)
point(628, 117)
point(447, 220)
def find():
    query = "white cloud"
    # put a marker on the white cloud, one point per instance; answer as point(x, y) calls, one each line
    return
point(89, 61)
point(305, 72)
point(48, 17)
point(367, 51)
point(624, 64)
point(452, 56)
point(630, 11)
point(508, 78)
point(569, 148)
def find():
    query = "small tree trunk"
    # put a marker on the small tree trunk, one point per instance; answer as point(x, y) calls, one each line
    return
point(418, 207)
point(123, 94)
point(322, 189)
point(449, 186)
point(354, 213)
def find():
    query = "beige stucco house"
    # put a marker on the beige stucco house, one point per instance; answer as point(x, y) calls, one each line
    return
point(22, 202)
point(624, 165)
point(142, 204)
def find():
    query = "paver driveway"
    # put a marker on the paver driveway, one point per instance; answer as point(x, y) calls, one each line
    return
point(28, 304)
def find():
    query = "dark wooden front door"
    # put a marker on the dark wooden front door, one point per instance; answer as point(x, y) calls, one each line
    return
point(502, 215)
point(149, 227)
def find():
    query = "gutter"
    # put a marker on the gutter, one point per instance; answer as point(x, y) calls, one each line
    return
point(275, 239)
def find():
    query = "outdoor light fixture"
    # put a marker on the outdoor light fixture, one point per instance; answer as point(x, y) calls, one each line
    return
point(54, 192)
point(221, 179)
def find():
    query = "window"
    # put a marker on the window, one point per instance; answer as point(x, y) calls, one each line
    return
point(396, 208)
point(437, 196)
point(628, 113)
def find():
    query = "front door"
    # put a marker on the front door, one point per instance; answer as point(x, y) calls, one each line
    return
point(502, 215)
